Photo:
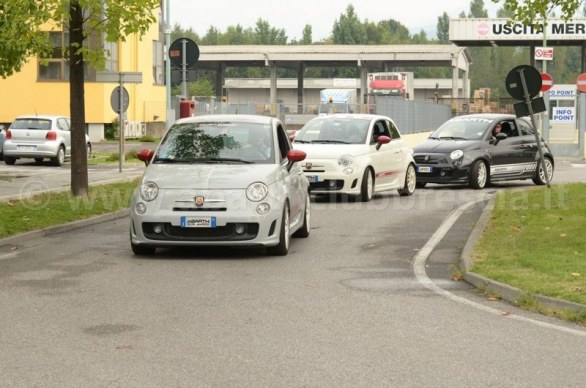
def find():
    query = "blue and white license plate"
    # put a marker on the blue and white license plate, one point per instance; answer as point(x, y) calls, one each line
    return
point(312, 178)
point(425, 169)
point(198, 222)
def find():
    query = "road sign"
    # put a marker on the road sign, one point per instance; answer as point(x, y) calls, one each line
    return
point(115, 99)
point(546, 82)
point(581, 82)
point(544, 53)
point(514, 84)
point(176, 52)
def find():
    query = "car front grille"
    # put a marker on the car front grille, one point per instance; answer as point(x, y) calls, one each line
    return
point(328, 184)
point(220, 233)
point(430, 159)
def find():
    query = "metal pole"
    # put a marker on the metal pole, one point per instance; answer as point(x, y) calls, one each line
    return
point(545, 114)
point(168, 63)
point(120, 121)
point(184, 67)
point(537, 135)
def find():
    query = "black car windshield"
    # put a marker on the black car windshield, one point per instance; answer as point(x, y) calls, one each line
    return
point(465, 128)
point(334, 131)
point(217, 142)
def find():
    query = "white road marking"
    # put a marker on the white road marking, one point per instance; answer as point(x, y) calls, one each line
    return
point(419, 268)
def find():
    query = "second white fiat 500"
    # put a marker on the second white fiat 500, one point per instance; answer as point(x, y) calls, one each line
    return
point(355, 154)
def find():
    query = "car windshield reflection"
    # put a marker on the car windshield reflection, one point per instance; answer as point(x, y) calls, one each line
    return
point(462, 129)
point(217, 142)
point(339, 131)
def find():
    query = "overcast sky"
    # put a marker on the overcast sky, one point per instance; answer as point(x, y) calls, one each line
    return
point(293, 15)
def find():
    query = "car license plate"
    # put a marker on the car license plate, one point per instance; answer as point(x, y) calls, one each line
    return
point(26, 148)
point(198, 222)
point(312, 178)
point(423, 169)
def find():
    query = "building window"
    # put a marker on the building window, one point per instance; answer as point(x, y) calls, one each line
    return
point(158, 77)
point(56, 67)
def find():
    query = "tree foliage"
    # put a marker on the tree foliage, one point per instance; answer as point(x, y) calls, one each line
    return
point(535, 12)
point(24, 25)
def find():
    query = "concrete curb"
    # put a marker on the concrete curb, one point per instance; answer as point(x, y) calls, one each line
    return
point(504, 291)
point(66, 227)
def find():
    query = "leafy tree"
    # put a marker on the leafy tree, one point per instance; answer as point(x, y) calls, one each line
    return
point(534, 12)
point(443, 29)
point(307, 35)
point(349, 29)
point(265, 34)
point(477, 9)
point(23, 33)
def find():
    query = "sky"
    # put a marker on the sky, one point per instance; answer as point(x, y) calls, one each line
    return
point(293, 15)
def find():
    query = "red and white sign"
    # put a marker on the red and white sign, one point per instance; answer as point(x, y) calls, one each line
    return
point(544, 53)
point(581, 82)
point(546, 82)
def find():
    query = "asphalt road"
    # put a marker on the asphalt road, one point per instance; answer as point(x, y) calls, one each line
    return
point(366, 300)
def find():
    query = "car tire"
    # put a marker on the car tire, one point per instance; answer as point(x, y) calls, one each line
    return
point(89, 151)
point(539, 177)
point(282, 248)
point(39, 161)
point(59, 159)
point(367, 186)
point(478, 175)
point(142, 250)
point(304, 231)
point(410, 182)
point(9, 160)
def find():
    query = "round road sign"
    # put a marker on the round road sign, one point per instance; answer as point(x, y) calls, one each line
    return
point(115, 99)
point(546, 82)
point(514, 83)
point(581, 82)
point(176, 52)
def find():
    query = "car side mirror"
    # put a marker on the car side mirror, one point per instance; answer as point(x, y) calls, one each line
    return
point(382, 140)
point(295, 156)
point(145, 156)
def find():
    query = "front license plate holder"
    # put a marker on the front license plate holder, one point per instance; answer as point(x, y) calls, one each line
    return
point(198, 222)
point(312, 178)
point(424, 169)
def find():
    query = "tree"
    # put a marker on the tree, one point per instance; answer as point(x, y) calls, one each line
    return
point(265, 34)
point(349, 29)
point(24, 23)
point(534, 12)
point(443, 29)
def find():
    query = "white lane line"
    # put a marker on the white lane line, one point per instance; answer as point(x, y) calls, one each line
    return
point(419, 268)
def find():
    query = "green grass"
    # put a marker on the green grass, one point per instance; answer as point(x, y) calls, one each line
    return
point(536, 241)
point(99, 158)
point(50, 209)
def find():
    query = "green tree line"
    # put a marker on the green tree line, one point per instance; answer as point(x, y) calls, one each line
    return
point(489, 67)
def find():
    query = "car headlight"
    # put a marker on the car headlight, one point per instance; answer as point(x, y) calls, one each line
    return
point(457, 154)
point(345, 160)
point(257, 191)
point(149, 191)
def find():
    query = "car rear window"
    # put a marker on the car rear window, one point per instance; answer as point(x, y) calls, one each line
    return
point(41, 124)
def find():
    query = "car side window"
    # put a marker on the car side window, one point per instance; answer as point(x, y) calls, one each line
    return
point(394, 131)
point(524, 128)
point(284, 145)
point(379, 129)
point(63, 124)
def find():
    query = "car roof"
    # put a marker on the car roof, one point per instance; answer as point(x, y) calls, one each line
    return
point(364, 116)
point(229, 118)
point(490, 116)
point(36, 116)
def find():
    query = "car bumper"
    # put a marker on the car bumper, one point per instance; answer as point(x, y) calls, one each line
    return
point(334, 179)
point(215, 227)
point(442, 173)
point(30, 150)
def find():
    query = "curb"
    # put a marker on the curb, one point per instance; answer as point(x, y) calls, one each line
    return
point(66, 227)
point(504, 291)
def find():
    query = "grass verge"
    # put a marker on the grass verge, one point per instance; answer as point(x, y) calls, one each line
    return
point(535, 241)
point(48, 209)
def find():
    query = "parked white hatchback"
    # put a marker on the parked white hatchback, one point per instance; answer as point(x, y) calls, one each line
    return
point(355, 154)
point(38, 137)
point(221, 180)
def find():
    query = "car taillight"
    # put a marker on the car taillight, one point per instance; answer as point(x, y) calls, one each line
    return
point(8, 135)
point(51, 135)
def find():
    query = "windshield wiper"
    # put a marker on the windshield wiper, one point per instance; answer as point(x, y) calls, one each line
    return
point(201, 160)
point(453, 137)
point(301, 141)
point(331, 141)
